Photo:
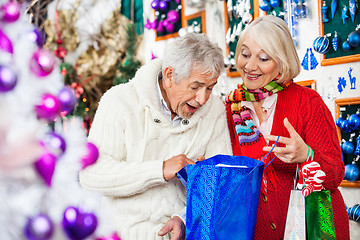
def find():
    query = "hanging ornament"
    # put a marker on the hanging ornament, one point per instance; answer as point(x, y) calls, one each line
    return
point(351, 172)
point(274, 3)
point(339, 121)
point(173, 16)
point(148, 24)
point(78, 224)
point(5, 43)
point(346, 46)
point(343, 14)
point(42, 63)
point(300, 11)
point(347, 147)
point(67, 99)
point(264, 5)
point(354, 38)
point(155, 4)
point(54, 143)
point(352, 9)
point(45, 167)
point(160, 27)
point(313, 61)
point(352, 79)
point(49, 107)
point(8, 79)
point(321, 44)
point(354, 121)
point(163, 5)
point(354, 213)
point(334, 4)
point(10, 12)
point(168, 26)
point(335, 42)
point(341, 86)
point(37, 36)
point(324, 12)
point(357, 148)
point(91, 156)
point(305, 61)
point(39, 227)
point(345, 126)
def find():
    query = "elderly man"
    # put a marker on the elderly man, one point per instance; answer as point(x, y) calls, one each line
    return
point(149, 129)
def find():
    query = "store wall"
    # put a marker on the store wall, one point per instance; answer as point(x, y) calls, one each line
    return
point(326, 77)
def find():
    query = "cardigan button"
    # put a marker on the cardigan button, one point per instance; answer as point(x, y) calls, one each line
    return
point(273, 226)
point(157, 120)
point(265, 199)
point(185, 122)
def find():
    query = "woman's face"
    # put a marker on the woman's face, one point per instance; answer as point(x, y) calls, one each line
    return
point(256, 67)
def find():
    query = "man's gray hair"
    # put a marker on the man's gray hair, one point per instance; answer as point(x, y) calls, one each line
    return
point(193, 52)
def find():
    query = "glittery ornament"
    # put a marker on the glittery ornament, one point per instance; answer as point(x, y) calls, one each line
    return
point(39, 227)
point(77, 224)
point(305, 61)
point(357, 148)
point(42, 63)
point(8, 79)
point(339, 121)
point(351, 172)
point(347, 147)
point(324, 13)
point(45, 166)
point(91, 156)
point(335, 42)
point(10, 12)
point(321, 44)
point(5, 43)
point(313, 61)
point(345, 126)
point(352, 9)
point(354, 121)
point(354, 213)
point(49, 107)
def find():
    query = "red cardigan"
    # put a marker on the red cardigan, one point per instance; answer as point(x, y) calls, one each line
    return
point(311, 118)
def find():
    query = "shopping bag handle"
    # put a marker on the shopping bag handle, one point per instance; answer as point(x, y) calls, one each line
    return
point(270, 152)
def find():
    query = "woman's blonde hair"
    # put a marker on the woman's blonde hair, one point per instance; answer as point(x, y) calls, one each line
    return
point(274, 37)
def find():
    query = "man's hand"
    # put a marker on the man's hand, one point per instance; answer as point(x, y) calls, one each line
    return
point(175, 164)
point(177, 228)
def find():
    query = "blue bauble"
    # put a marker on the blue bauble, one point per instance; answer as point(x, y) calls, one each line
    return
point(354, 38)
point(321, 45)
point(347, 147)
point(264, 5)
point(344, 126)
point(274, 3)
point(346, 46)
point(8, 79)
point(339, 121)
point(351, 172)
point(354, 121)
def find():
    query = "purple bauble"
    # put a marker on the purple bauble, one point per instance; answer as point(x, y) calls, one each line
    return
point(348, 147)
point(8, 79)
point(354, 121)
point(37, 36)
point(55, 143)
point(42, 63)
point(49, 107)
point(155, 4)
point(91, 156)
point(173, 16)
point(163, 5)
point(67, 99)
point(78, 225)
point(45, 166)
point(5, 43)
point(39, 227)
point(351, 172)
point(10, 12)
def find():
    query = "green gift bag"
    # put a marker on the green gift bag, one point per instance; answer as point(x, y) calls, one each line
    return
point(319, 216)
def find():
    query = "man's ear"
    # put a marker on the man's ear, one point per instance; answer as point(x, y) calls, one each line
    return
point(169, 76)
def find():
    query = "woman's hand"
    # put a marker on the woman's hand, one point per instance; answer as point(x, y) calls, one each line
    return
point(295, 150)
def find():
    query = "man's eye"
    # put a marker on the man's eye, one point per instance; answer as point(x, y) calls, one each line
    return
point(194, 88)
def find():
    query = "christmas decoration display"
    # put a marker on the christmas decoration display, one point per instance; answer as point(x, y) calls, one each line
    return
point(42, 147)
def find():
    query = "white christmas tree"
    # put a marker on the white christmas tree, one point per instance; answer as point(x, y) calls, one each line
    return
point(41, 148)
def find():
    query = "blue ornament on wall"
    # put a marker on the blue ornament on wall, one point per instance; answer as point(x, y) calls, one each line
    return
point(339, 121)
point(354, 121)
point(352, 79)
point(345, 126)
point(341, 85)
point(313, 61)
point(357, 149)
point(351, 172)
point(343, 14)
point(305, 61)
point(324, 12)
point(346, 46)
point(347, 147)
point(352, 9)
point(334, 4)
point(274, 3)
point(321, 44)
point(265, 5)
point(354, 38)
point(335, 42)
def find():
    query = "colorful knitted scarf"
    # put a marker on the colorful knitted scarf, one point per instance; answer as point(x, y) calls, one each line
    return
point(250, 138)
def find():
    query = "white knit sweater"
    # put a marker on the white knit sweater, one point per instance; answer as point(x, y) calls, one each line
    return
point(134, 138)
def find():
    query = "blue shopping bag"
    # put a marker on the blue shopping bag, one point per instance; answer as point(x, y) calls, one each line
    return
point(222, 197)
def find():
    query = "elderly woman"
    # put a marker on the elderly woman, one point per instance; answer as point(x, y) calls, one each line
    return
point(150, 128)
point(269, 104)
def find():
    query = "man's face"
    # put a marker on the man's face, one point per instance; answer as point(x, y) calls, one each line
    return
point(190, 93)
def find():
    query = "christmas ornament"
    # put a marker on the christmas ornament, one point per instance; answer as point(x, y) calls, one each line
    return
point(77, 224)
point(45, 167)
point(347, 147)
point(324, 12)
point(160, 27)
point(155, 4)
point(265, 5)
point(345, 126)
point(352, 9)
point(354, 38)
point(48, 108)
point(352, 79)
point(339, 121)
point(305, 61)
point(300, 11)
point(334, 4)
point(39, 227)
point(114, 236)
point(8, 79)
point(148, 24)
point(274, 3)
point(173, 16)
point(91, 156)
point(42, 63)
point(54, 143)
point(313, 61)
point(37, 36)
point(335, 42)
point(341, 85)
point(343, 14)
point(354, 213)
point(10, 12)
point(357, 149)
point(321, 44)
point(346, 46)
point(67, 99)
point(354, 121)
point(163, 5)
point(351, 172)
point(5, 43)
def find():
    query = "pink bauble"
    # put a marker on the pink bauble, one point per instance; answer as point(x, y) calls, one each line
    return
point(42, 63)
point(154, 24)
point(45, 166)
point(91, 156)
point(114, 236)
point(170, 27)
point(5, 43)
point(10, 12)
point(173, 16)
point(160, 27)
point(49, 107)
point(148, 24)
